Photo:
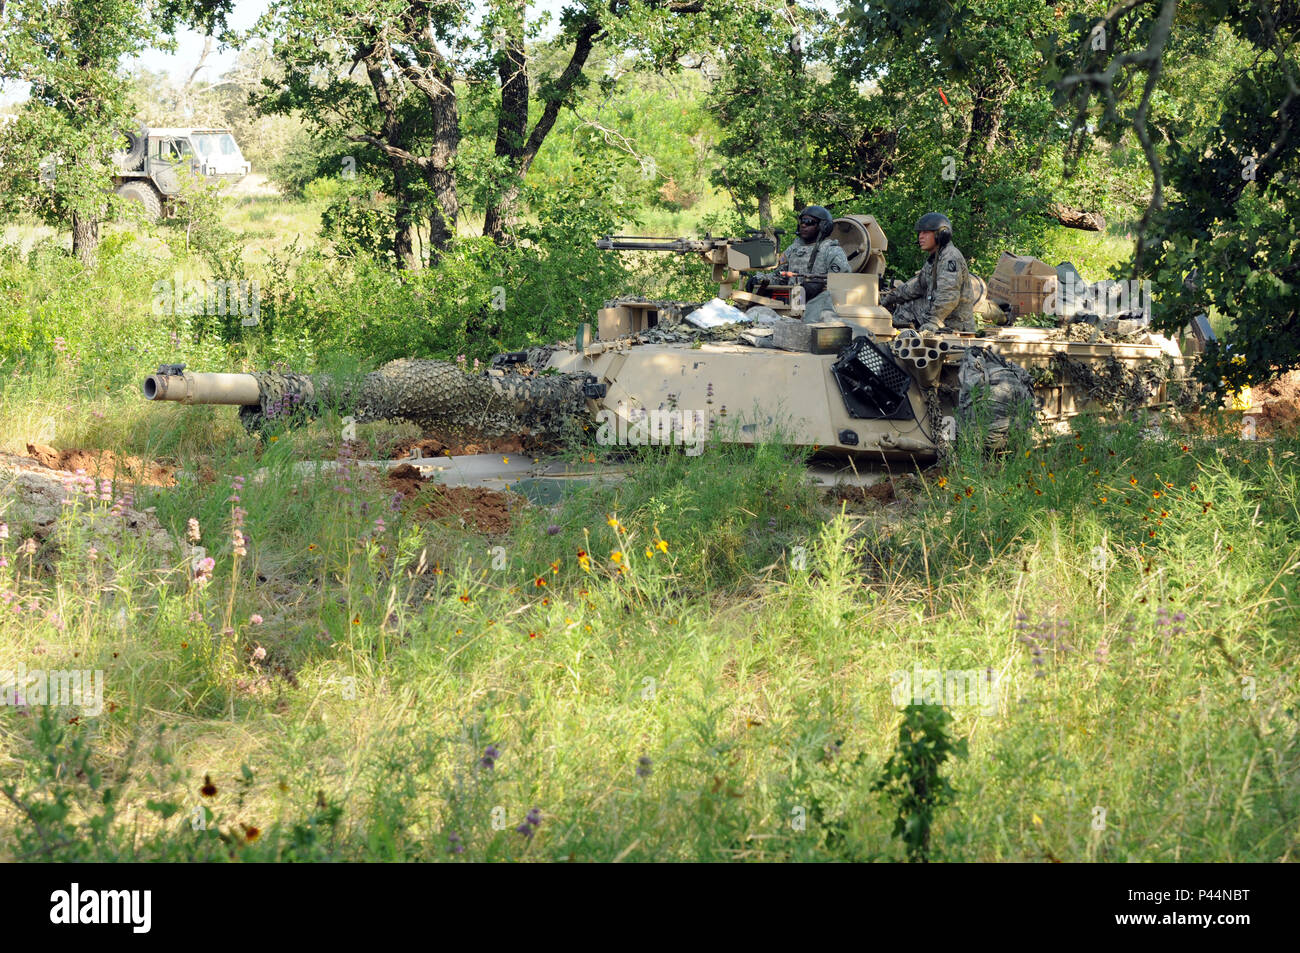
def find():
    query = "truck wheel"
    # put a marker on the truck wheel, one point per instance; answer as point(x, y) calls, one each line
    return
point(132, 157)
point(144, 194)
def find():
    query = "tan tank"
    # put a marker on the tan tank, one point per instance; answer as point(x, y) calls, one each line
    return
point(848, 384)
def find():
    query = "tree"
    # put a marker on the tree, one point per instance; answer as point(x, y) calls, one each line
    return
point(380, 74)
point(70, 51)
point(765, 99)
point(1219, 231)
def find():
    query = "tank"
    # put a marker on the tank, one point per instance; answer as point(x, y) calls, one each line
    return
point(848, 384)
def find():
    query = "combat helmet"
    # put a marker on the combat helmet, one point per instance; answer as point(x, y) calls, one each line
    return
point(938, 223)
point(822, 215)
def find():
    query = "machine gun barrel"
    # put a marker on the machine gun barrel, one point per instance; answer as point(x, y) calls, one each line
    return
point(654, 243)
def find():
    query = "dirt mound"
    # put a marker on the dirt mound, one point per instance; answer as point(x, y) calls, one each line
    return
point(33, 497)
point(104, 464)
point(1276, 405)
point(449, 446)
point(484, 511)
point(882, 492)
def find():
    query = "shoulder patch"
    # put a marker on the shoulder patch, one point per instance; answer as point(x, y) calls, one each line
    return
point(952, 265)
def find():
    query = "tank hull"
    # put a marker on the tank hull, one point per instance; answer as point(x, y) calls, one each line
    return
point(672, 392)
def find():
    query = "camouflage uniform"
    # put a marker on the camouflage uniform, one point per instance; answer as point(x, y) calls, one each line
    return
point(939, 294)
point(816, 259)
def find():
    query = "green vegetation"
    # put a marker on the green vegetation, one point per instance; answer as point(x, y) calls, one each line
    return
point(1080, 649)
point(671, 686)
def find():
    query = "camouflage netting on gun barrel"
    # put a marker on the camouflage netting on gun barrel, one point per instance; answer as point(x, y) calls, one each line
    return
point(435, 395)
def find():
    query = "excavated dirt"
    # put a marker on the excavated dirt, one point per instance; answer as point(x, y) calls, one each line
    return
point(882, 492)
point(1277, 405)
point(450, 446)
point(484, 511)
point(104, 464)
point(32, 496)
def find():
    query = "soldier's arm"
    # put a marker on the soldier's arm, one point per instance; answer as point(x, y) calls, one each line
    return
point(837, 262)
point(914, 287)
point(948, 280)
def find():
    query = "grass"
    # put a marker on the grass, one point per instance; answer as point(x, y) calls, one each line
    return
point(1132, 598)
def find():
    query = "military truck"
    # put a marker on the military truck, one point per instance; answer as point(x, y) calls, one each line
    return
point(151, 168)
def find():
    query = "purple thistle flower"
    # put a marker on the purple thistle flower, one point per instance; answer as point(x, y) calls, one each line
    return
point(525, 829)
point(643, 764)
point(534, 817)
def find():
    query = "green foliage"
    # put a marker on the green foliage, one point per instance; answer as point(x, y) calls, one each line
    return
point(1222, 240)
point(911, 777)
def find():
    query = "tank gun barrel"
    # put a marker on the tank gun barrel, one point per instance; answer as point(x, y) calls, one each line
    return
point(173, 382)
point(437, 393)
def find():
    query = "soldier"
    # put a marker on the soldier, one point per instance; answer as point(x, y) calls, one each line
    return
point(940, 295)
point(812, 257)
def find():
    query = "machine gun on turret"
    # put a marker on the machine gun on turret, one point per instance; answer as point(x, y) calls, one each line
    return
point(758, 253)
point(729, 256)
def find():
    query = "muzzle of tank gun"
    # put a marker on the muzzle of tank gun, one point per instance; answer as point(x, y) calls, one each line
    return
point(173, 382)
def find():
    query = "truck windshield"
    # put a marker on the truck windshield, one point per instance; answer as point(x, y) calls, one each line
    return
point(213, 144)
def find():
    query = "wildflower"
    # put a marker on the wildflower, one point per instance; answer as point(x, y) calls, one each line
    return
point(489, 759)
point(662, 546)
point(525, 829)
point(464, 597)
point(649, 553)
point(237, 538)
point(259, 653)
point(616, 556)
point(255, 619)
point(643, 767)
point(454, 846)
point(209, 789)
point(943, 481)
point(92, 554)
point(4, 530)
point(1133, 481)
point(552, 530)
point(539, 582)
point(615, 524)
point(555, 567)
point(584, 560)
point(192, 530)
point(534, 817)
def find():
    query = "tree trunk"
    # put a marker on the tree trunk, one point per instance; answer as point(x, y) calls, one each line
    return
point(512, 129)
point(1076, 218)
point(764, 207)
point(85, 239)
point(439, 173)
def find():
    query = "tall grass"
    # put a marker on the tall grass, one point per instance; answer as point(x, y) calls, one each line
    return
point(698, 662)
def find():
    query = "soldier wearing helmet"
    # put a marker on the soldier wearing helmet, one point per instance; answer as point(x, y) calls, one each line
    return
point(812, 257)
point(940, 296)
